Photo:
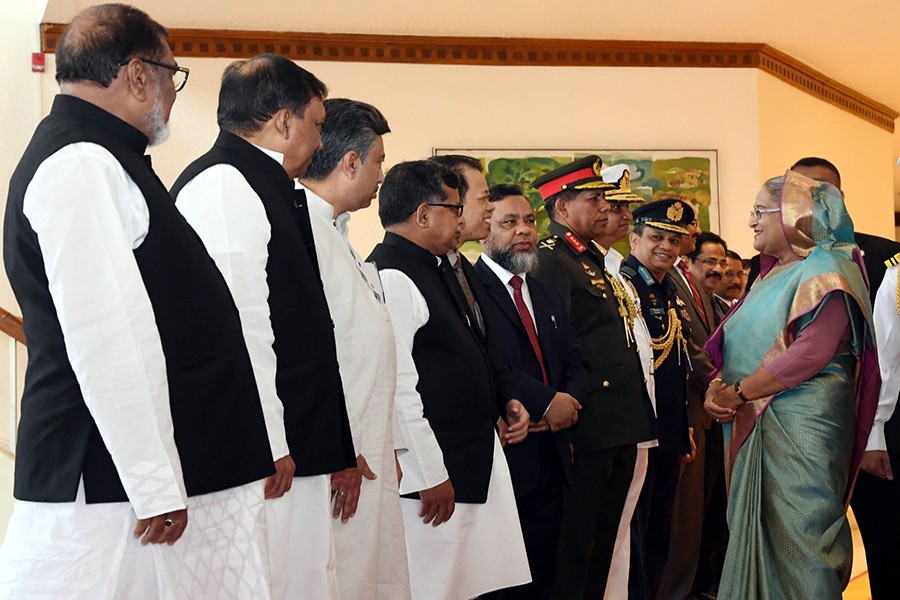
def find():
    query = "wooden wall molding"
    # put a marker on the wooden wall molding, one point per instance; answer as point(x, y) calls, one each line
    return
point(211, 43)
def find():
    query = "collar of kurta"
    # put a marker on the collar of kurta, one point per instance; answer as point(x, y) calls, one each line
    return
point(255, 157)
point(82, 110)
point(317, 204)
point(412, 248)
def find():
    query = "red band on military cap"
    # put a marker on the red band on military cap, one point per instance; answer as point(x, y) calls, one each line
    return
point(556, 186)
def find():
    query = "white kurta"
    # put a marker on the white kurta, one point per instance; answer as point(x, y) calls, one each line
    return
point(887, 334)
point(617, 580)
point(370, 548)
point(480, 548)
point(231, 220)
point(89, 216)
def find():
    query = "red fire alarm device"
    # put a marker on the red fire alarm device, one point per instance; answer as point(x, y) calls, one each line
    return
point(37, 62)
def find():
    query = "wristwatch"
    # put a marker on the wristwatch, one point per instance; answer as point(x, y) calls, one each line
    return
point(737, 390)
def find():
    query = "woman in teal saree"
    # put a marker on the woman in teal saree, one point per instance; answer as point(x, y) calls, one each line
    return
point(797, 389)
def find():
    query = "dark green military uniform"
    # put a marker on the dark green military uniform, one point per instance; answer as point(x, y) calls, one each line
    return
point(616, 415)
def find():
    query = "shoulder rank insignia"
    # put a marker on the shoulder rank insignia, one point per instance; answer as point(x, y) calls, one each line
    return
point(892, 261)
point(549, 243)
point(645, 275)
point(575, 242)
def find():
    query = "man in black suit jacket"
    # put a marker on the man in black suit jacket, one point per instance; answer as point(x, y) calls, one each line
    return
point(616, 413)
point(536, 342)
point(474, 195)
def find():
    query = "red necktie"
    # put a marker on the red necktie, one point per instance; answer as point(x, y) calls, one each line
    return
point(697, 299)
point(528, 322)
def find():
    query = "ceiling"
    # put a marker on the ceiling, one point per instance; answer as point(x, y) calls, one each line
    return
point(856, 44)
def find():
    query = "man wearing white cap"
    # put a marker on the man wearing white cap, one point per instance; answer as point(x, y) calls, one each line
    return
point(616, 229)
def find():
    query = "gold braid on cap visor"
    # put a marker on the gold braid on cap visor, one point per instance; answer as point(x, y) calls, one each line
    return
point(664, 226)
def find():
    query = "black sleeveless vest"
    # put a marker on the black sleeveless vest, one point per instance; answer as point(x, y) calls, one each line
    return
point(307, 377)
point(454, 374)
point(218, 420)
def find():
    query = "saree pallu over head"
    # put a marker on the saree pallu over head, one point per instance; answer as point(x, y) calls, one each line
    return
point(788, 298)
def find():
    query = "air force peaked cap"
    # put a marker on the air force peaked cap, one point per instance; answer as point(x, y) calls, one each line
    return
point(670, 214)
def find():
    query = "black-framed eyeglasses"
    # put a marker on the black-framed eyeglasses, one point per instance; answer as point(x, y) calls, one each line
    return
point(457, 208)
point(179, 74)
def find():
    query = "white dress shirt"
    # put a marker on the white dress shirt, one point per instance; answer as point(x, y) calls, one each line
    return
point(887, 336)
point(505, 276)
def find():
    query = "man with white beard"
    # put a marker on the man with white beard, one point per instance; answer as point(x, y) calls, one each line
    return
point(139, 391)
point(532, 332)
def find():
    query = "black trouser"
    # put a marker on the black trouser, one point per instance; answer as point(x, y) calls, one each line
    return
point(715, 526)
point(652, 528)
point(540, 515)
point(876, 506)
point(592, 510)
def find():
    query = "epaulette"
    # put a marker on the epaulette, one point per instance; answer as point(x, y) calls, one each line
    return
point(892, 261)
point(549, 243)
point(627, 271)
point(645, 275)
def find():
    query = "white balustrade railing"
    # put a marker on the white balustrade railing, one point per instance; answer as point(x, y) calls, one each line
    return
point(11, 328)
point(12, 398)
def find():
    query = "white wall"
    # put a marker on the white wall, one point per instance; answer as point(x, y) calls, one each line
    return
point(447, 106)
point(758, 124)
point(20, 111)
point(793, 124)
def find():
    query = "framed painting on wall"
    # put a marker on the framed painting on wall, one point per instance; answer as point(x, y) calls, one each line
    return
point(689, 174)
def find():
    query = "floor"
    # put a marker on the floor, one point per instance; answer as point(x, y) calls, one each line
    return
point(859, 579)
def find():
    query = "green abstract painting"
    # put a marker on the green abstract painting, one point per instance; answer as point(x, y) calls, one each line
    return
point(689, 174)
